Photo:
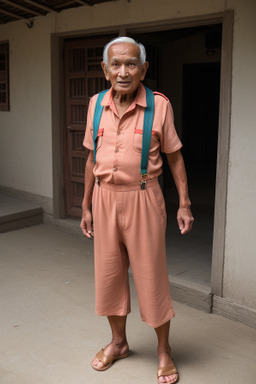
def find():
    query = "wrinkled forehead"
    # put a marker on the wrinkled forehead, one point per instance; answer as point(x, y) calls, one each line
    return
point(123, 50)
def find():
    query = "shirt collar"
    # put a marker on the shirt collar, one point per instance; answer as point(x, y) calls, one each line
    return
point(140, 98)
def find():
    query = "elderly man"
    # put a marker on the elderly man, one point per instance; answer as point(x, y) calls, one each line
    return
point(129, 214)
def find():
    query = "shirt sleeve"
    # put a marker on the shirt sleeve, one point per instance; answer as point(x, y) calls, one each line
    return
point(170, 141)
point(88, 137)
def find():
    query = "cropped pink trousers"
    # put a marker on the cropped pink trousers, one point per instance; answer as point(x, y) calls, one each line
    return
point(129, 230)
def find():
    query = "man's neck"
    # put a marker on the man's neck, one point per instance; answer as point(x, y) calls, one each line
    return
point(124, 100)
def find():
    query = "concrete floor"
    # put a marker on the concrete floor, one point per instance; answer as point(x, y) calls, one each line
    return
point(189, 257)
point(49, 331)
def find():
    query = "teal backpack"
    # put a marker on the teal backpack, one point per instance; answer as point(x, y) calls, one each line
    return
point(147, 130)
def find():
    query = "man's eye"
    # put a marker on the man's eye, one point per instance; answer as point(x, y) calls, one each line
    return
point(115, 65)
point(131, 65)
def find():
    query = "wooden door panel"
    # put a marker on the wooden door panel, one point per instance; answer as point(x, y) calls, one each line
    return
point(83, 78)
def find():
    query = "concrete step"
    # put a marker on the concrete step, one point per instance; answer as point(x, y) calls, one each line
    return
point(17, 214)
point(190, 293)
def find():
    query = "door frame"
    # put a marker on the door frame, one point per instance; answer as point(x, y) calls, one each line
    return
point(58, 117)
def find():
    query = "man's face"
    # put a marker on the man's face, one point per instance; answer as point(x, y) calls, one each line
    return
point(124, 69)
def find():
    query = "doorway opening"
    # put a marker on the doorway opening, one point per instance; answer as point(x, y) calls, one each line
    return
point(185, 66)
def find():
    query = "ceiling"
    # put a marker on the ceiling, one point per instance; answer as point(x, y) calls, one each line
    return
point(13, 10)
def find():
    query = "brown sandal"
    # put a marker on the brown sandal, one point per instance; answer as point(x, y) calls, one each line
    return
point(108, 360)
point(167, 371)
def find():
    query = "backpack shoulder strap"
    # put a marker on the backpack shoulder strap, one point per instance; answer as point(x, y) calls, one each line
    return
point(96, 119)
point(147, 130)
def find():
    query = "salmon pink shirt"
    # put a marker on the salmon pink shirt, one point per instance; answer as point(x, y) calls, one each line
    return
point(119, 142)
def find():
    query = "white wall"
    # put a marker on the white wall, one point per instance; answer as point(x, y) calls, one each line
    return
point(240, 254)
point(25, 131)
point(26, 153)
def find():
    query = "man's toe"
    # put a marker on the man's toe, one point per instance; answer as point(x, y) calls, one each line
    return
point(168, 379)
point(173, 378)
point(97, 363)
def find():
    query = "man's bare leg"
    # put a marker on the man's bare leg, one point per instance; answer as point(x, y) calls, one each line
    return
point(164, 352)
point(118, 345)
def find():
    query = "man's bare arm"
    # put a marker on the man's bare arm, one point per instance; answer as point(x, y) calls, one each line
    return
point(184, 215)
point(86, 221)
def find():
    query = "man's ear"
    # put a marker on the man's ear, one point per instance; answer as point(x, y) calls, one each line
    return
point(105, 70)
point(144, 70)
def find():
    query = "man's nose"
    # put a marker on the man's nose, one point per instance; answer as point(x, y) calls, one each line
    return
point(123, 71)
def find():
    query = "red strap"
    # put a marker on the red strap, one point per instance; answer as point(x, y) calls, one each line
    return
point(161, 94)
point(140, 131)
point(100, 132)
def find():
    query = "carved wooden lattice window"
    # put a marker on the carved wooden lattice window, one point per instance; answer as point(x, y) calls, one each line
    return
point(4, 77)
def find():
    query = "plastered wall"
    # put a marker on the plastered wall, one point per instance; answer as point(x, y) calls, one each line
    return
point(26, 131)
point(240, 260)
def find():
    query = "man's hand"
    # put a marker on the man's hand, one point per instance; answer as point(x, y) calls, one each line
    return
point(86, 221)
point(86, 224)
point(185, 219)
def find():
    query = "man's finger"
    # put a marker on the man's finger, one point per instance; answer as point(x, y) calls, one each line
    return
point(86, 229)
point(89, 229)
point(185, 230)
point(180, 223)
point(185, 220)
point(188, 226)
point(88, 234)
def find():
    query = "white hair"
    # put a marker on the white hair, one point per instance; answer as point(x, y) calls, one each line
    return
point(124, 39)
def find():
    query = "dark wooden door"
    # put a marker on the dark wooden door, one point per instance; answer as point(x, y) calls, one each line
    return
point(83, 78)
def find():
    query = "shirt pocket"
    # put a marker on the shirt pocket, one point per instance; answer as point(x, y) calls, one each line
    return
point(137, 139)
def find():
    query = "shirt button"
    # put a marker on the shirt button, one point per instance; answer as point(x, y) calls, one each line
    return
point(114, 169)
point(118, 132)
point(116, 150)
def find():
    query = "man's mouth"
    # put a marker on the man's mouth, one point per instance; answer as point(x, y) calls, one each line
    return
point(124, 82)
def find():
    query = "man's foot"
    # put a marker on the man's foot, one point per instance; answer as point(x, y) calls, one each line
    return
point(167, 372)
point(113, 351)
